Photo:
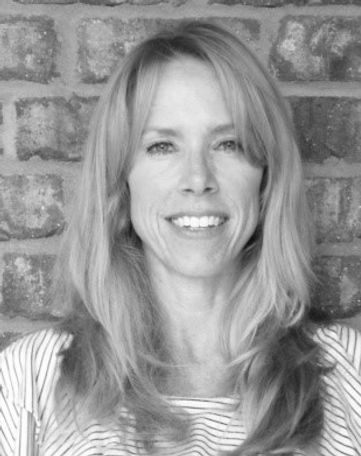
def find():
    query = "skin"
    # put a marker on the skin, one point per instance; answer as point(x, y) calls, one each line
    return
point(189, 163)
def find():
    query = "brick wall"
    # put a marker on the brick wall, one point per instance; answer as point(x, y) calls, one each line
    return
point(55, 56)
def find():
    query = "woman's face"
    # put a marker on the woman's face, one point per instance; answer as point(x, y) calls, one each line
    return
point(194, 196)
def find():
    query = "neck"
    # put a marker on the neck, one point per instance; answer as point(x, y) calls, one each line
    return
point(192, 308)
point(188, 301)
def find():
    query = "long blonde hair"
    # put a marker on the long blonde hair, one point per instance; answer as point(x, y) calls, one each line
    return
point(118, 356)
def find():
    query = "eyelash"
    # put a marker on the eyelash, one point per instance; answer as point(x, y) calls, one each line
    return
point(158, 148)
point(236, 146)
point(162, 147)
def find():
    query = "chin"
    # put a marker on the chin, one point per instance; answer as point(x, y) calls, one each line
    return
point(201, 270)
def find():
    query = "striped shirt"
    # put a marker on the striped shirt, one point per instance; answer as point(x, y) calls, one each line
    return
point(29, 369)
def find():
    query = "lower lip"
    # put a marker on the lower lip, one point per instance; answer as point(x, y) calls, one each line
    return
point(201, 232)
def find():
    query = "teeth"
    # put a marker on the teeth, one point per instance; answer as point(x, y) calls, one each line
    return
point(195, 222)
point(203, 221)
point(198, 222)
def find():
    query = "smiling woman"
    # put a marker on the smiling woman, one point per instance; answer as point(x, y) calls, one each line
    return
point(186, 268)
point(194, 195)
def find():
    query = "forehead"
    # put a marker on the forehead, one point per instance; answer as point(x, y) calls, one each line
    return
point(165, 90)
point(187, 86)
point(187, 65)
point(186, 74)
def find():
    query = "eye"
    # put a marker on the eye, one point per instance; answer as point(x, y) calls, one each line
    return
point(161, 147)
point(229, 145)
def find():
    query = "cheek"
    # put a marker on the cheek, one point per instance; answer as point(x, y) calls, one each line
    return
point(137, 200)
point(148, 178)
point(254, 202)
point(140, 203)
point(150, 184)
point(246, 203)
point(139, 188)
point(246, 191)
point(145, 204)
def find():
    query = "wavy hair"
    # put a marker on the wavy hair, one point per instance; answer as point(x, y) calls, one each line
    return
point(118, 357)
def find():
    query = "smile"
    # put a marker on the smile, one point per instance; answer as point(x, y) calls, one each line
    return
point(193, 222)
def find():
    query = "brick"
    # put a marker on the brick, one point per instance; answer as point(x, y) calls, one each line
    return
point(52, 128)
point(328, 127)
point(339, 2)
point(337, 294)
point(350, 286)
point(55, 2)
point(28, 48)
point(1, 124)
point(310, 48)
point(106, 2)
point(26, 286)
point(259, 2)
point(248, 30)
point(103, 42)
point(30, 206)
point(336, 207)
point(326, 292)
point(133, 2)
point(155, 2)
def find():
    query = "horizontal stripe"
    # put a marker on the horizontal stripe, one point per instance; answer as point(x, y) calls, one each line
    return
point(30, 367)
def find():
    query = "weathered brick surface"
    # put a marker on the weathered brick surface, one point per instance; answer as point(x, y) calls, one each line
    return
point(306, 48)
point(339, 2)
point(338, 291)
point(55, 2)
point(52, 128)
point(284, 2)
point(26, 286)
point(28, 48)
point(336, 207)
point(30, 206)
point(328, 127)
point(103, 42)
point(259, 2)
point(133, 2)
point(1, 123)
point(107, 2)
point(312, 48)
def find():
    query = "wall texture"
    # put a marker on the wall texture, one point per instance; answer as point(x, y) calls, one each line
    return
point(55, 56)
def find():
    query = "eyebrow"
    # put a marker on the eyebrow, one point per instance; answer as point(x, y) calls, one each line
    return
point(223, 128)
point(161, 131)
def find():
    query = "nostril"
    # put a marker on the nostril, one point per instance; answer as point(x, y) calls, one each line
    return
point(198, 177)
point(208, 189)
point(200, 190)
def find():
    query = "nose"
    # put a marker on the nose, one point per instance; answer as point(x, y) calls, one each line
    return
point(198, 175)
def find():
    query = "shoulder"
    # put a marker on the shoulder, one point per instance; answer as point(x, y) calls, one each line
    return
point(341, 389)
point(341, 345)
point(30, 366)
point(38, 348)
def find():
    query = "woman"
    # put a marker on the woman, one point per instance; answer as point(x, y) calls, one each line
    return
point(187, 268)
